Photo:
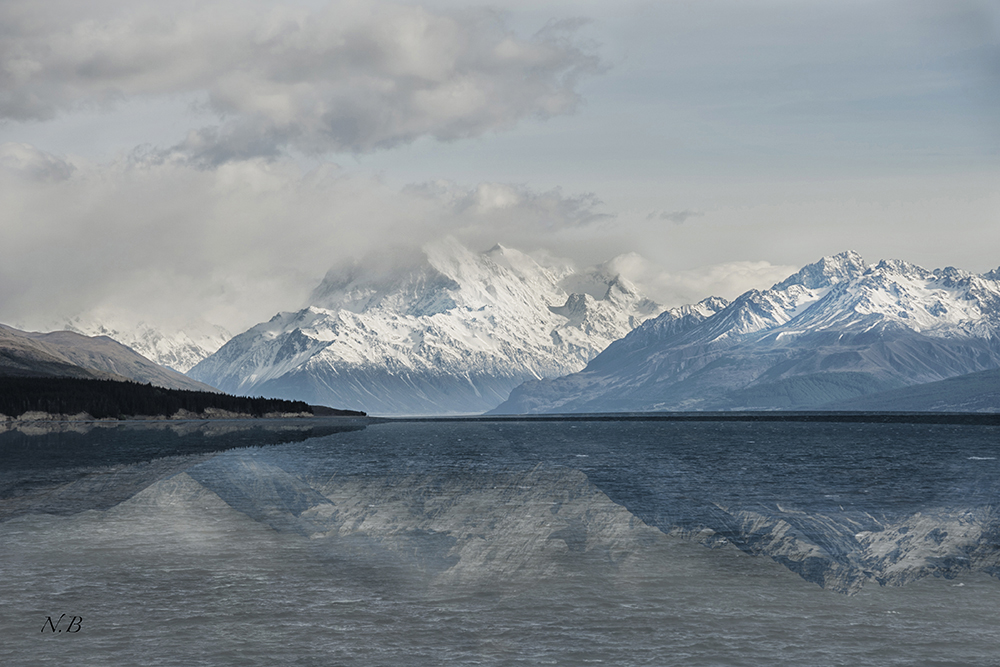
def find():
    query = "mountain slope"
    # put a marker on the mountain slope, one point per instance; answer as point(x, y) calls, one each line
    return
point(446, 330)
point(973, 392)
point(21, 356)
point(835, 330)
point(178, 350)
point(69, 354)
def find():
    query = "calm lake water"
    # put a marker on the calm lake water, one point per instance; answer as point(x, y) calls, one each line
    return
point(501, 543)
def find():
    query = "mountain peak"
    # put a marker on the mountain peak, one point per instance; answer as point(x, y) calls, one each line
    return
point(175, 348)
point(827, 272)
point(901, 267)
point(712, 303)
point(447, 330)
point(620, 285)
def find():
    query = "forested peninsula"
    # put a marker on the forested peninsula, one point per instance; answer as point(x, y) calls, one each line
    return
point(23, 398)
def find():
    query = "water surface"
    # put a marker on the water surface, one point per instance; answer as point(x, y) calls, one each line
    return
point(503, 543)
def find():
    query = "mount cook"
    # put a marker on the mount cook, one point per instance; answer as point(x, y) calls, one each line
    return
point(446, 330)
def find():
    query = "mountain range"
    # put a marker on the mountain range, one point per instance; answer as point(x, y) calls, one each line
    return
point(72, 355)
point(445, 330)
point(836, 330)
point(178, 350)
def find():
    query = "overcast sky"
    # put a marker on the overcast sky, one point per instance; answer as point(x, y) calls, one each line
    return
point(177, 161)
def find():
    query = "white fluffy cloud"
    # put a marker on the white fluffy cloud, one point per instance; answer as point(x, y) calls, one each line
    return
point(352, 76)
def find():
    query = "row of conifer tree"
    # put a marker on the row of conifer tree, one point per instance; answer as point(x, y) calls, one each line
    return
point(112, 399)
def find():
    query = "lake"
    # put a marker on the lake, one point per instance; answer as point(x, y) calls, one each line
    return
point(509, 542)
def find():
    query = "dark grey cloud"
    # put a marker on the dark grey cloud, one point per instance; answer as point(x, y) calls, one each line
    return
point(352, 76)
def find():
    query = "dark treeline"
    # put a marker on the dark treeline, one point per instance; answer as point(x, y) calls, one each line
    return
point(110, 399)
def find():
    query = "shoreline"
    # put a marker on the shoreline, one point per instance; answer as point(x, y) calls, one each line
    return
point(211, 414)
point(831, 416)
point(217, 415)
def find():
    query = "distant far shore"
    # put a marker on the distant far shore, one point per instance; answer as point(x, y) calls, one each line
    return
point(818, 416)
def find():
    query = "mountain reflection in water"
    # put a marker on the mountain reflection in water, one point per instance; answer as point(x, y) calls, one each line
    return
point(68, 467)
point(585, 528)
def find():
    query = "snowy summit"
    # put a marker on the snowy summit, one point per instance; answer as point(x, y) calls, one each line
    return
point(445, 330)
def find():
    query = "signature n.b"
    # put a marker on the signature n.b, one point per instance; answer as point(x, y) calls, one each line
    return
point(74, 624)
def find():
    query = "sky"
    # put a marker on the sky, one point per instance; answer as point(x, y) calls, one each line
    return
point(187, 162)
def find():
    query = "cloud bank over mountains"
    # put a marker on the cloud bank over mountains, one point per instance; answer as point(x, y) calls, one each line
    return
point(252, 237)
point(229, 220)
point(219, 157)
point(346, 77)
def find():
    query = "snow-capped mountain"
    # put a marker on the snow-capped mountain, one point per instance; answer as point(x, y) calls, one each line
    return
point(445, 330)
point(837, 329)
point(179, 350)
